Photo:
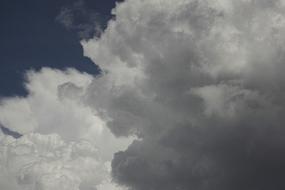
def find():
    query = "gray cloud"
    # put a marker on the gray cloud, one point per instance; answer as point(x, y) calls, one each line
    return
point(201, 84)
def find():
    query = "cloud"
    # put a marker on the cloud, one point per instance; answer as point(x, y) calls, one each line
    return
point(47, 162)
point(80, 18)
point(63, 142)
point(45, 106)
point(201, 83)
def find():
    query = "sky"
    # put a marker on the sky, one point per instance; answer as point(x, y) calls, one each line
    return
point(31, 38)
point(177, 95)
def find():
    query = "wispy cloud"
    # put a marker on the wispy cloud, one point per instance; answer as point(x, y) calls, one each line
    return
point(79, 18)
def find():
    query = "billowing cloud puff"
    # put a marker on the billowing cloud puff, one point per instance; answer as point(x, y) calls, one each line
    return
point(65, 145)
point(47, 162)
point(202, 84)
point(51, 94)
point(44, 162)
point(199, 82)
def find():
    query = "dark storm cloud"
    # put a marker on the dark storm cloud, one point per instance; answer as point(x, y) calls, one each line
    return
point(201, 83)
point(211, 158)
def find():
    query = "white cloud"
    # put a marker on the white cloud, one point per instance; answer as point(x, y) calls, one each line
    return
point(44, 110)
point(46, 162)
point(65, 145)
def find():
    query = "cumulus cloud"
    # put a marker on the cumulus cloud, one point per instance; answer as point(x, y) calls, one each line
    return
point(202, 84)
point(199, 82)
point(61, 142)
point(45, 162)
point(46, 104)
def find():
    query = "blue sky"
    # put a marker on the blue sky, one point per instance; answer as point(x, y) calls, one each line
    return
point(31, 38)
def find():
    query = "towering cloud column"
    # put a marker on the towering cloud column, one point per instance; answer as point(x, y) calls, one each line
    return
point(201, 84)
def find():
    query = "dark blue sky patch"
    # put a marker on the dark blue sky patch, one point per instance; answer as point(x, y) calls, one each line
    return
point(9, 132)
point(32, 38)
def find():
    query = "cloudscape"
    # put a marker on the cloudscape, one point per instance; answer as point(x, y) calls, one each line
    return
point(190, 96)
